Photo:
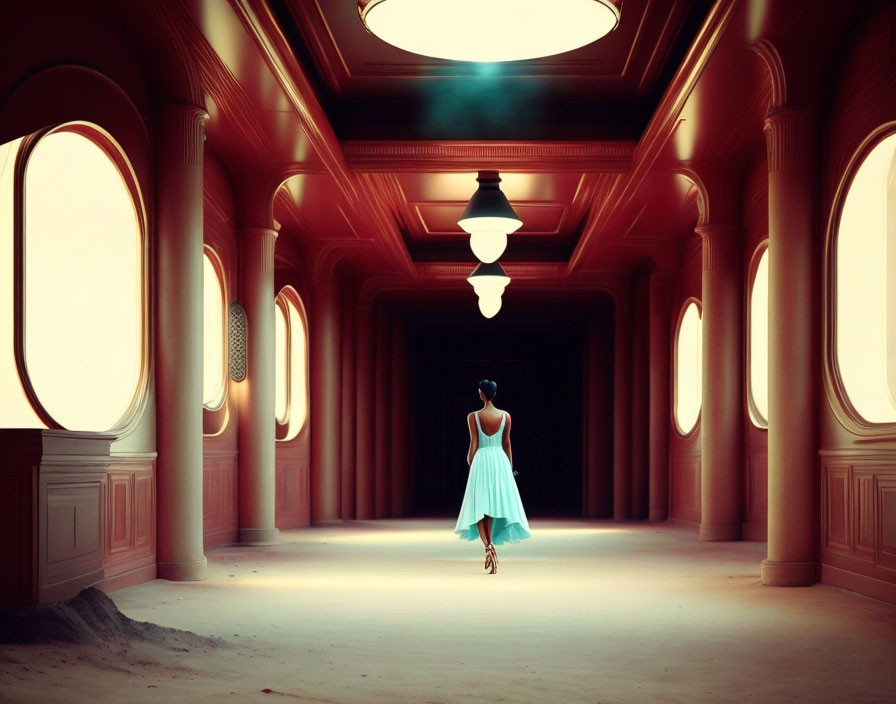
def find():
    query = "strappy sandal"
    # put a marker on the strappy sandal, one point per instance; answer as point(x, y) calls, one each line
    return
point(491, 559)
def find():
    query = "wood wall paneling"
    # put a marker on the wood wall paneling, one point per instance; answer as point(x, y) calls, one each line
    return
point(70, 529)
point(130, 522)
point(859, 521)
point(685, 488)
point(756, 497)
point(885, 525)
point(836, 508)
point(219, 498)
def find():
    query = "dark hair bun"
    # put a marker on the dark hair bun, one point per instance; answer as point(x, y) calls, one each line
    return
point(488, 388)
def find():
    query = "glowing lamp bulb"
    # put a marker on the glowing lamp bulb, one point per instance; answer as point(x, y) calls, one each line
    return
point(489, 281)
point(489, 306)
point(489, 30)
point(488, 245)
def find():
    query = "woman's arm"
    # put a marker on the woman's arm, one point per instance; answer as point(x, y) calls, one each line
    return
point(506, 441)
point(474, 439)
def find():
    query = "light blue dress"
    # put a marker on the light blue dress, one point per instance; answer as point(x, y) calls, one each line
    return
point(491, 490)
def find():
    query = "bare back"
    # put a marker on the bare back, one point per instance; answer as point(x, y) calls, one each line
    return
point(490, 419)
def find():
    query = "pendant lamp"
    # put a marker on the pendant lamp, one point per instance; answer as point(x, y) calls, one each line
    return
point(489, 30)
point(489, 281)
point(489, 218)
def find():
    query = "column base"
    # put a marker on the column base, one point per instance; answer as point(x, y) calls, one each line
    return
point(183, 571)
point(658, 515)
point(789, 574)
point(712, 534)
point(258, 536)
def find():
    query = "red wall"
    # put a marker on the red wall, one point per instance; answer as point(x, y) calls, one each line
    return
point(684, 479)
point(755, 223)
point(219, 446)
point(857, 473)
point(293, 457)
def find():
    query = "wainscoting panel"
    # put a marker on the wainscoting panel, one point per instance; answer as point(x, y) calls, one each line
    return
point(685, 488)
point(859, 521)
point(130, 510)
point(220, 498)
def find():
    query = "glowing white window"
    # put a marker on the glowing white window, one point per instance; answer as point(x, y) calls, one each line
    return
point(759, 343)
point(15, 410)
point(866, 287)
point(83, 283)
point(291, 370)
point(281, 374)
point(688, 369)
point(214, 367)
point(298, 362)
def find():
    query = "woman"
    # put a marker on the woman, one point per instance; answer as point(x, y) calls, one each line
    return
point(491, 508)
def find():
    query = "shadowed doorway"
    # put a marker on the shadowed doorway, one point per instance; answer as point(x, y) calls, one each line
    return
point(539, 372)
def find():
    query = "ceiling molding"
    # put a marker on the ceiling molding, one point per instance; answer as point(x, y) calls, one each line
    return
point(663, 123)
point(464, 156)
point(257, 19)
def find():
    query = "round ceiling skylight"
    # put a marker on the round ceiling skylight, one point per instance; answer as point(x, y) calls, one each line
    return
point(489, 30)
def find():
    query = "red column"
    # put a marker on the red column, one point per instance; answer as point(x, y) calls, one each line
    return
point(622, 417)
point(721, 428)
point(399, 419)
point(178, 342)
point(660, 409)
point(349, 414)
point(640, 398)
point(792, 356)
point(325, 403)
point(383, 416)
point(365, 460)
point(256, 420)
point(590, 466)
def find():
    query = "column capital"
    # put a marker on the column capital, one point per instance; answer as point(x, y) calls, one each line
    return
point(189, 122)
point(264, 238)
point(788, 131)
point(721, 245)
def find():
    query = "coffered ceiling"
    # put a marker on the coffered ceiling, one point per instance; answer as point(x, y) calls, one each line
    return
point(604, 90)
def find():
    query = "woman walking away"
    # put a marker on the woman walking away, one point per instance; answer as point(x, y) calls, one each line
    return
point(491, 508)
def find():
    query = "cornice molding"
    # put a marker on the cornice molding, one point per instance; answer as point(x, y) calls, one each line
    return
point(521, 157)
point(256, 17)
point(664, 120)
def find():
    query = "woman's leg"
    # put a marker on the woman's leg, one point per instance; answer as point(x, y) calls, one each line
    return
point(483, 535)
point(488, 528)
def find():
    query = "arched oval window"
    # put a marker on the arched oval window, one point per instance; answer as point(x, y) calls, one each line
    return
point(865, 287)
point(281, 363)
point(291, 364)
point(688, 368)
point(15, 408)
point(214, 367)
point(83, 303)
point(758, 337)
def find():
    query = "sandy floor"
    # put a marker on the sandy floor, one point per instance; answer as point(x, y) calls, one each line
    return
point(400, 611)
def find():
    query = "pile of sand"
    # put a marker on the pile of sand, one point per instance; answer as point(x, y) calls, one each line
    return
point(91, 618)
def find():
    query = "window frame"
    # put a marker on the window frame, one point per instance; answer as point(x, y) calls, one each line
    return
point(838, 398)
point(286, 296)
point(215, 418)
point(674, 395)
point(128, 421)
point(752, 410)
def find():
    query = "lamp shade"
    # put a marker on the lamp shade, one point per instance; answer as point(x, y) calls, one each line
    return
point(489, 218)
point(489, 30)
